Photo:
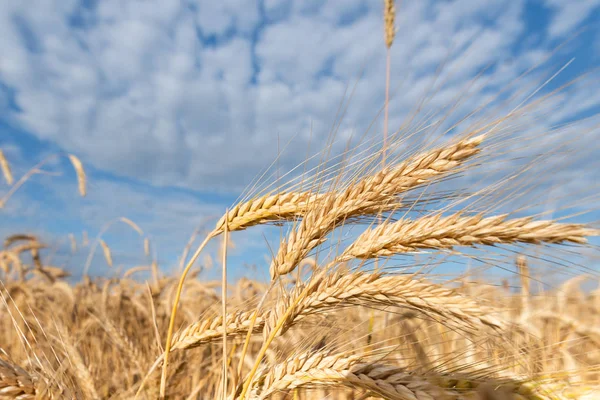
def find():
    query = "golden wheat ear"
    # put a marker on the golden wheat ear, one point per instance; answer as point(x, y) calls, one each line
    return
point(81, 178)
point(439, 232)
point(5, 168)
point(321, 368)
point(345, 290)
point(15, 382)
point(107, 253)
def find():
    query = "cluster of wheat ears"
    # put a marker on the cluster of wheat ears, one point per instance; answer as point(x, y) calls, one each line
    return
point(331, 328)
point(334, 320)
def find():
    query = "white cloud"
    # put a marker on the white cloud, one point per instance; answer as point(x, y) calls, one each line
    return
point(217, 17)
point(133, 89)
point(568, 15)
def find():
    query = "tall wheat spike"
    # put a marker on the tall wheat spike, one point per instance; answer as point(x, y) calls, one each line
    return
point(5, 168)
point(107, 253)
point(81, 178)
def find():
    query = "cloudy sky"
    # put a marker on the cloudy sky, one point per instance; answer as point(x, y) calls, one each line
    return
point(175, 106)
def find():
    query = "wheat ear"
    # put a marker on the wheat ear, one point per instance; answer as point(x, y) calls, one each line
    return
point(339, 290)
point(81, 178)
point(5, 167)
point(15, 382)
point(107, 253)
point(367, 196)
point(439, 232)
point(388, 381)
point(270, 208)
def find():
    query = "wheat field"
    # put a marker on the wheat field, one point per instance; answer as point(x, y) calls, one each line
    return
point(360, 315)
point(337, 326)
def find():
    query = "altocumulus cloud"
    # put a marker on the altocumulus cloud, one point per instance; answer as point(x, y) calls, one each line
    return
point(197, 94)
point(202, 95)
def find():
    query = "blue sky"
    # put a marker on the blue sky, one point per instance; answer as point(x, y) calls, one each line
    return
point(175, 106)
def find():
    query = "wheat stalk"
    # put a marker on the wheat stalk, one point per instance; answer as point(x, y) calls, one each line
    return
point(133, 225)
point(523, 270)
